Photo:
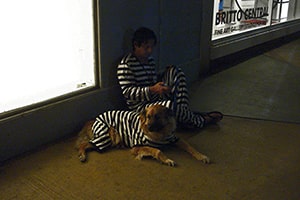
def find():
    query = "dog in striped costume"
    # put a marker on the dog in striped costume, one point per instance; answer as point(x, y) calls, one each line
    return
point(143, 132)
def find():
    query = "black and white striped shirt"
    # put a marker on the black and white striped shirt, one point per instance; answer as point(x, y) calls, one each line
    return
point(128, 125)
point(135, 79)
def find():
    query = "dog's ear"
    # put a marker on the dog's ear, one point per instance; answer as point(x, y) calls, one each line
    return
point(143, 116)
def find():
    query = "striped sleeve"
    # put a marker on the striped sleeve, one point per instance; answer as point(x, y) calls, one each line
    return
point(129, 85)
point(129, 128)
point(101, 137)
point(135, 80)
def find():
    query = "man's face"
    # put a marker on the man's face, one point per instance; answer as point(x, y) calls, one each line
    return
point(145, 50)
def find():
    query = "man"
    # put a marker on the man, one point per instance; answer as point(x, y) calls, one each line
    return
point(142, 86)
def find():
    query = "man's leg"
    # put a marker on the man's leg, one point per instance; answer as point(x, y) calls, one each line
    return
point(175, 78)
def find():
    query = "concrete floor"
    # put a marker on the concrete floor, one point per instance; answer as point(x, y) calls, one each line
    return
point(254, 150)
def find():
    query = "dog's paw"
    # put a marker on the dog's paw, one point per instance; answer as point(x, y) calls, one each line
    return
point(170, 162)
point(202, 158)
point(139, 157)
point(82, 157)
point(205, 160)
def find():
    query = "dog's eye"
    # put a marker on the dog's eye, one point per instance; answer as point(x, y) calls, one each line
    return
point(156, 117)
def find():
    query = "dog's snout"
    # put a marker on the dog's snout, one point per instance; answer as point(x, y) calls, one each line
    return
point(154, 127)
point(151, 128)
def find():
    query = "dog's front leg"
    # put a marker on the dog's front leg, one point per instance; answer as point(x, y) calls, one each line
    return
point(82, 151)
point(196, 154)
point(143, 151)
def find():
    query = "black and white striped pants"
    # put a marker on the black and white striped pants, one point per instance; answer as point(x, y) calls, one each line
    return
point(178, 99)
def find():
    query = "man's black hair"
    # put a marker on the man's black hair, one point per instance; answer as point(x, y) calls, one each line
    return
point(143, 35)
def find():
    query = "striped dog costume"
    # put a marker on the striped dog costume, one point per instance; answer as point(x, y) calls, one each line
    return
point(128, 125)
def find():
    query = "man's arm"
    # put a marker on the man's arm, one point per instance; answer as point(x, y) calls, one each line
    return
point(129, 86)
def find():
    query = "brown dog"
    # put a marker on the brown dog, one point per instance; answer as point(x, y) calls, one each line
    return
point(144, 133)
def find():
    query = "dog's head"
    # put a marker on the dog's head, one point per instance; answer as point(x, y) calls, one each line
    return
point(158, 121)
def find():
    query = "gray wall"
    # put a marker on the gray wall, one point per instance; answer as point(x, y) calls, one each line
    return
point(177, 24)
point(180, 32)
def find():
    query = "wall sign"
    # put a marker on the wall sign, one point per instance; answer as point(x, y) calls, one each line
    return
point(236, 16)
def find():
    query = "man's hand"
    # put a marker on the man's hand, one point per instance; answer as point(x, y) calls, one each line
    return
point(159, 88)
